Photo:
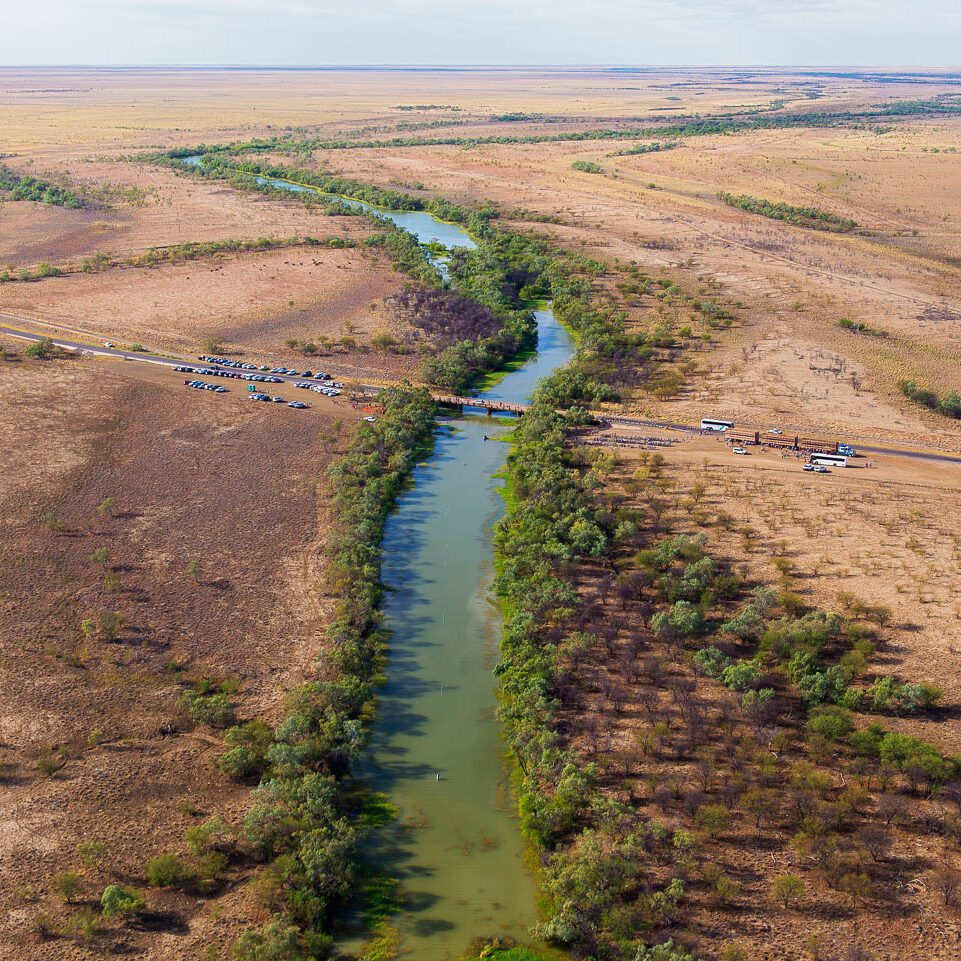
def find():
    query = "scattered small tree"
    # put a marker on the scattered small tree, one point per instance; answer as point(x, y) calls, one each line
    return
point(787, 890)
point(100, 556)
point(121, 902)
point(66, 884)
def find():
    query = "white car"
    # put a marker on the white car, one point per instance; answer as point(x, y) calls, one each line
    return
point(774, 430)
point(371, 420)
point(739, 450)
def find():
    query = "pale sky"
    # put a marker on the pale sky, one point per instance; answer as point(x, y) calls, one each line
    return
point(636, 32)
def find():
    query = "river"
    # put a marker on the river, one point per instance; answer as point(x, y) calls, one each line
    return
point(435, 746)
point(456, 847)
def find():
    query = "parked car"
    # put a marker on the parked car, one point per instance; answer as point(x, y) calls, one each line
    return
point(808, 467)
point(821, 469)
point(278, 400)
point(297, 405)
point(371, 420)
point(739, 450)
point(774, 430)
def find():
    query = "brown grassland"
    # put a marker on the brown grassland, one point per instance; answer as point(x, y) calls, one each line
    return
point(202, 576)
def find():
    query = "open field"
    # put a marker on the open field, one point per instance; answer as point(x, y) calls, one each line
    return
point(147, 208)
point(94, 745)
point(212, 544)
point(254, 302)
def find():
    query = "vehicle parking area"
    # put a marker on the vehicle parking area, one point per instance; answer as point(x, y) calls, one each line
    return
point(236, 384)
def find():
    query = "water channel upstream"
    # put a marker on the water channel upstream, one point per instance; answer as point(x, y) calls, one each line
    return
point(436, 747)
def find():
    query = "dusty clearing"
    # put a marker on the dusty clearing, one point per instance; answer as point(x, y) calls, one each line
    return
point(188, 479)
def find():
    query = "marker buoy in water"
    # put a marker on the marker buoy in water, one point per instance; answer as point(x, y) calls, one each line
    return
point(437, 777)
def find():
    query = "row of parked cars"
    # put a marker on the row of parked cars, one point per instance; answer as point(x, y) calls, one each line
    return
point(200, 385)
point(296, 404)
point(331, 391)
point(288, 371)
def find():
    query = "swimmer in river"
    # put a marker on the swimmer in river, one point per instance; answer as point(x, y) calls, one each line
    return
point(436, 777)
point(486, 437)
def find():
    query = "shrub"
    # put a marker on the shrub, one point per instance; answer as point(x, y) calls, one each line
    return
point(167, 870)
point(213, 709)
point(122, 902)
point(214, 835)
point(250, 744)
point(711, 661)
point(85, 925)
point(712, 819)
point(42, 349)
point(278, 940)
point(66, 884)
point(830, 722)
point(787, 890)
point(740, 676)
point(43, 926)
point(668, 951)
point(91, 852)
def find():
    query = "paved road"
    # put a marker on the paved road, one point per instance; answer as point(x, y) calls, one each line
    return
point(10, 324)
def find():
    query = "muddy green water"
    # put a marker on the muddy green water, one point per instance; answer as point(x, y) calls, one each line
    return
point(456, 847)
point(435, 745)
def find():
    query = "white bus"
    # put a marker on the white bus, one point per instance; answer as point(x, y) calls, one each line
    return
point(709, 423)
point(829, 460)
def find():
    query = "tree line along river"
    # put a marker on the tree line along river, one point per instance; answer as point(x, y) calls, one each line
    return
point(435, 746)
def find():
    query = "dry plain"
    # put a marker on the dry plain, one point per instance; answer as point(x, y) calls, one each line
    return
point(184, 471)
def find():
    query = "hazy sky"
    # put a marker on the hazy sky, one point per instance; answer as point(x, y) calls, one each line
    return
point(871, 32)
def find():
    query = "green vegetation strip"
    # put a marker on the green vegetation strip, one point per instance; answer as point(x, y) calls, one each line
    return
point(306, 822)
point(156, 256)
point(22, 187)
point(949, 405)
point(691, 126)
point(811, 217)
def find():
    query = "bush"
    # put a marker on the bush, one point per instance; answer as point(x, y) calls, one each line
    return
point(42, 349)
point(711, 661)
point(740, 676)
point(122, 902)
point(66, 884)
point(787, 890)
point(668, 951)
point(207, 708)
point(830, 722)
point(167, 871)
point(712, 819)
point(278, 940)
point(248, 757)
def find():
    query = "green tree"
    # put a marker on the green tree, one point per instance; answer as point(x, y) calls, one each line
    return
point(42, 349)
point(66, 884)
point(123, 902)
point(787, 890)
point(167, 870)
point(278, 940)
point(91, 853)
point(712, 819)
